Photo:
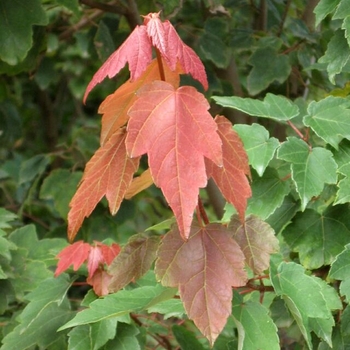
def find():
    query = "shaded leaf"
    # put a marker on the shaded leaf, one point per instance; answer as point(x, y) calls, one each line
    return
point(268, 66)
point(121, 304)
point(269, 192)
point(273, 107)
point(75, 254)
point(186, 339)
point(330, 119)
point(255, 327)
point(231, 177)
point(16, 32)
point(337, 55)
point(115, 106)
point(312, 235)
point(193, 266)
point(324, 8)
point(108, 173)
point(33, 167)
point(258, 145)
point(134, 260)
point(176, 131)
point(257, 241)
point(311, 168)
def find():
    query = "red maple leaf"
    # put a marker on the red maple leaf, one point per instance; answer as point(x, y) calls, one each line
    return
point(137, 52)
point(75, 254)
point(205, 268)
point(109, 172)
point(99, 282)
point(231, 177)
point(176, 130)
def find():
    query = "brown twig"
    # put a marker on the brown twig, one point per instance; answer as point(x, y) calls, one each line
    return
point(200, 208)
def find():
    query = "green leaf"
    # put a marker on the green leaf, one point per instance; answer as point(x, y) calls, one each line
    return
point(72, 5)
point(268, 194)
point(186, 339)
point(120, 304)
point(126, 338)
point(311, 168)
point(312, 235)
point(92, 337)
point(340, 268)
point(324, 8)
point(6, 217)
point(169, 308)
point(284, 214)
point(33, 167)
point(60, 187)
point(5, 248)
point(330, 119)
point(47, 310)
point(268, 67)
point(258, 145)
point(345, 289)
point(337, 55)
point(305, 299)
point(343, 10)
point(211, 42)
point(16, 21)
point(103, 41)
point(255, 327)
point(272, 107)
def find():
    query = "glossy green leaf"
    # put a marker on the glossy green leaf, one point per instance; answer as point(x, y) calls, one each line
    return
point(186, 339)
point(324, 8)
point(268, 194)
point(92, 337)
point(330, 119)
point(47, 310)
point(311, 168)
point(255, 327)
point(337, 55)
point(16, 21)
point(60, 187)
point(268, 66)
point(121, 304)
point(258, 144)
point(311, 234)
point(272, 107)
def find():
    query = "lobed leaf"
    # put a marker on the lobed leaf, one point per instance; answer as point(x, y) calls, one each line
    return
point(134, 260)
point(257, 241)
point(311, 234)
point(176, 131)
point(74, 254)
point(108, 173)
point(139, 183)
point(136, 51)
point(330, 119)
point(324, 8)
point(231, 177)
point(273, 107)
point(195, 266)
point(115, 107)
point(311, 168)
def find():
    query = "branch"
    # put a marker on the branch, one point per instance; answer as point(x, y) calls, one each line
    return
point(113, 7)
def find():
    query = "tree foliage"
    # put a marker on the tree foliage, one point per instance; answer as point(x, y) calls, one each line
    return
point(210, 197)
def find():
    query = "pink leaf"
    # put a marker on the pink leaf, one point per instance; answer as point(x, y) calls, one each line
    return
point(136, 50)
point(94, 260)
point(75, 254)
point(176, 130)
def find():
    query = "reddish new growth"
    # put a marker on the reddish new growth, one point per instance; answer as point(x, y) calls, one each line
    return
point(150, 114)
point(96, 256)
point(185, 146)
